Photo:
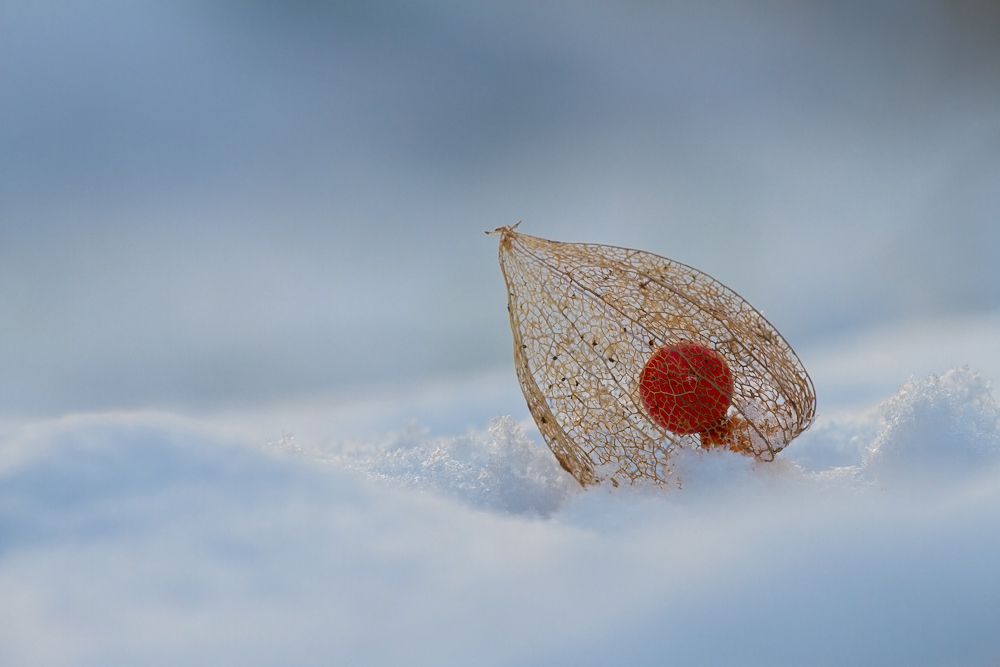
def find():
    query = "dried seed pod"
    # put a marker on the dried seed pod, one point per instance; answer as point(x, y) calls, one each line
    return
point(624, 356)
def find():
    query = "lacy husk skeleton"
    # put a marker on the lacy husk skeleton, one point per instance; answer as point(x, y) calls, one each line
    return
point(587, 317)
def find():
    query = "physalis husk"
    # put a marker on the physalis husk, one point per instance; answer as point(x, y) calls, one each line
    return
point(624, 356)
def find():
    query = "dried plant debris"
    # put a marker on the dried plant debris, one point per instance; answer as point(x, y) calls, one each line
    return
point(625, 356)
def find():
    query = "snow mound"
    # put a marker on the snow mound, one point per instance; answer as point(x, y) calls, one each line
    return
point(500, 470)
point(939, 425)
point(503, 470)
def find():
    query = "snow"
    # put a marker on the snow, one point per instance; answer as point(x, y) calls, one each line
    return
point(154, 538)
point(937, 426)
point(500, 470)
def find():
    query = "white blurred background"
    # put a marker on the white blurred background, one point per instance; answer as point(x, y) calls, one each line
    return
point(225, 205)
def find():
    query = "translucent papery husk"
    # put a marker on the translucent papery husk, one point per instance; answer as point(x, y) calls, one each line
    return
point(586, 318)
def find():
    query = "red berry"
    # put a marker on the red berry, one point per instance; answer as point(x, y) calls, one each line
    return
point(686, 387)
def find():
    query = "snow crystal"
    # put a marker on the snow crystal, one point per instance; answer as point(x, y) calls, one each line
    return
point(499, 470)
point(939, 425)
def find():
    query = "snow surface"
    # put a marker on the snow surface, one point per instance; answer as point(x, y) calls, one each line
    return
point(158, 539)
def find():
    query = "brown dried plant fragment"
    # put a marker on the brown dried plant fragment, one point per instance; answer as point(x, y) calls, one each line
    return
point(587, 317)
